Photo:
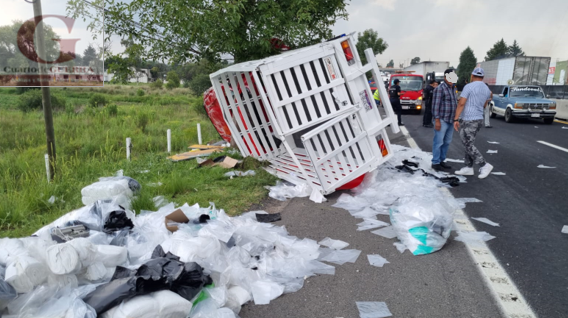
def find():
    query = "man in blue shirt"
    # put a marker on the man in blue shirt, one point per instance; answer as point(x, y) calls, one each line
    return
point(469, 119)
point(444, 103)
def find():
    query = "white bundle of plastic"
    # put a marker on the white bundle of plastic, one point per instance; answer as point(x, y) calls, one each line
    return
point(10, 248)
point(423, 225)
point(25, 272)
point(116, 189)
point(110, 255)
point(95, 272)
point(63, 259)
point(63, 281)
point(163, 304)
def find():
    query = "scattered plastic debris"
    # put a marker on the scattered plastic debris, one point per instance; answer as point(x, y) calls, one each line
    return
point(377, 260)
point(493, 142)
point(159, 201)
point(387, 232)
point(339, 257)
point(462, 201)
point(240, 173)
point(565, 229)
point(120, 189)
point(368, 309)
point(400, 247)
point(492, 151)
point(499, 173)
point(455, 160)
point(486, 221)
point(545, 167)
point(51, 200)
point(470, 237)
point(333, 244)
point(368, 224)
point(144, 171)
point(423, 225)
point(284, 191)
point(268, 218)
point(155, 184)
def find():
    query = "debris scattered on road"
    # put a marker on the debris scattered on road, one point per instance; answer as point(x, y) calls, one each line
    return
point(565, 229)
point(268, 218)
point(499, 173)
point(545, 167)
point(369, 224)
point(486, 221)
point(369, 309)
point(493, 142)
point(284, 190)
point(377, 260)
point(400, 247)
point(469, 237)
point(387, 232)
point(535, 126)
point(492, 151)
point(338, 257)
point(455, 160)
point(240, 173)
point(462, 201)
point(333, 244)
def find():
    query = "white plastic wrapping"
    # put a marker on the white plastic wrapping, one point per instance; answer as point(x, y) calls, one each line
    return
point(25, 272)
point(372, 309)
point(265, 291)
point(333, 244)
point(423, 225)
point(162, 304)
point(116, 189)
point(63, 259)
point(339, 257)
point(110, 255)
point(283, 191)
point(377, 260)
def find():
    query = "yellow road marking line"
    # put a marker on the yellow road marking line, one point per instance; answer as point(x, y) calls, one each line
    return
point(560, 121)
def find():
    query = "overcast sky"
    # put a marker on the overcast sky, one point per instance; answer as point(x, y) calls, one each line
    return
point(439, 30)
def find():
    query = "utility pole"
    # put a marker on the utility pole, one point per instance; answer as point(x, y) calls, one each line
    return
point(45, 91)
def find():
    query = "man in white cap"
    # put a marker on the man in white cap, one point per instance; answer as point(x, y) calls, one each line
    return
point(469, 119)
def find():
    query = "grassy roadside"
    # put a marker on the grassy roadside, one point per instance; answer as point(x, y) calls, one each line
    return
point(91, 144)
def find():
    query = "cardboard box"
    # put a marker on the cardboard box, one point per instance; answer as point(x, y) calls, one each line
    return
point(226, 162)
point(178, 217)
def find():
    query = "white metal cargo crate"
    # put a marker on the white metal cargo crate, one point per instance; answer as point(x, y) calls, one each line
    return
point(310, 112)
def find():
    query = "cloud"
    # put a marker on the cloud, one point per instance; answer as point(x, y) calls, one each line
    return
point(387, 4)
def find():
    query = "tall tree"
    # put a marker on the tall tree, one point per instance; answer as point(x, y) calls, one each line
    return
point(180, 30)
point(466, 66)
point(89, 55)
point(498, 51)
point(415, 60)
point(370, 39)
point(390, 63)
point(515, 50)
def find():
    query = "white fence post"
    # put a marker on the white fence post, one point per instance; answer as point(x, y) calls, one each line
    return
point(47, 168)
point(199, 133)
point(169, 140)
point(128, 146)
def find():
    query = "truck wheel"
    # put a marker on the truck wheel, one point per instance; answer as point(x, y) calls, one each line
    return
point(509, 115)
point(491, 113)
point(548, 121)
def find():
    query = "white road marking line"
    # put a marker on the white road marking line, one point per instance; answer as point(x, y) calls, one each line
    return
point(503, 289)
point(552, 145)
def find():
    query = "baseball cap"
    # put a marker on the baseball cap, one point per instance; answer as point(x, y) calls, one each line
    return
point(478, 71)
point(448, 71)
point(396, 81)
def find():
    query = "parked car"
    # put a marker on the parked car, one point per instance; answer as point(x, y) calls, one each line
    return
point(523, 101)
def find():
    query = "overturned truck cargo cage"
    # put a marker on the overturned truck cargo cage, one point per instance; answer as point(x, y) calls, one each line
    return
point(309, 112)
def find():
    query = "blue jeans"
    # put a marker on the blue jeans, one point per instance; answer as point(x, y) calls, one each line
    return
point(442, 140)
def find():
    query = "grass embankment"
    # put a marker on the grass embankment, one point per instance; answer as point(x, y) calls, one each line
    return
point(90, 143)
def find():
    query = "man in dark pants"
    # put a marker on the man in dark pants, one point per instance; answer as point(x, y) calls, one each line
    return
point(428, 93)
point(394, 96)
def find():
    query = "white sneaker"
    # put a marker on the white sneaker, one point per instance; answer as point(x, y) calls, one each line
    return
point(485, 171)
point(465, 171)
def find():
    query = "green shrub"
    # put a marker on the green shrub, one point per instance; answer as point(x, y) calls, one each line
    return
point(98, 100)
point(200, 83)
point(32, 100)
point(140, 92)
point(196, 104)
point(112, 110)
point(173, 80)
point(158, 84)
point(142, 120)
